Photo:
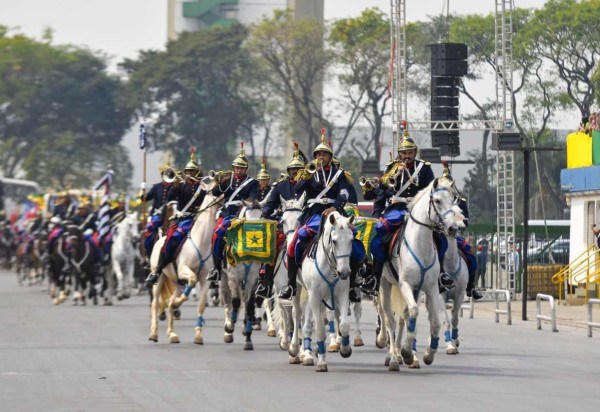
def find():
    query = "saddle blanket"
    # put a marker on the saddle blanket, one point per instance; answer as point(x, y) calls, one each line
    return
point(365, 231)
point(251, 241)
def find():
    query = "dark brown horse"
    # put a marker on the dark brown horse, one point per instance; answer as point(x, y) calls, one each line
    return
point(82, 265)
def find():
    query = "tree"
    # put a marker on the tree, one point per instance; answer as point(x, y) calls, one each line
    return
point(362, 49)
point(190, 94)
point(56, 96)
point(294, 54)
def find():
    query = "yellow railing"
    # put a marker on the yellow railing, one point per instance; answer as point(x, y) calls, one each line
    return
point(585, 269)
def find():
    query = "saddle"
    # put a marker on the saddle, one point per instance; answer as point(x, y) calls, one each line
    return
point(390, 239)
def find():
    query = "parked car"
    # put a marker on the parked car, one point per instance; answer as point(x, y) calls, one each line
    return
point(553, 252)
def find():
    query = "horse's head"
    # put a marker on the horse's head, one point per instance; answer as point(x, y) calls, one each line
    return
point(443, 212)
point(337, 238)
point(250, 210)
point(130, 225)
point(292, 209)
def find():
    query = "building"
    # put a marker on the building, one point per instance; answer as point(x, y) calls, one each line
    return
point(194, 15)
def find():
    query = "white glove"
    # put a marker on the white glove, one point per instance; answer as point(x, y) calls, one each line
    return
point(143, 186)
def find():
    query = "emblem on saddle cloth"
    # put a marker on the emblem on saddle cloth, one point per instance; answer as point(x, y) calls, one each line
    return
point(251, 241)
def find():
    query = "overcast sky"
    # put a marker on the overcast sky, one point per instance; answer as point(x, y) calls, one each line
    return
point(120, 28)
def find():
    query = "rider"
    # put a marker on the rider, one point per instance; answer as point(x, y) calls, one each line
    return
point(237, 187)
point(326, 188)
point(188, 197)
point(412, 175)
point(158, 193)
point(85, 219)
point(264, 178)
point(284, 188)
point(63, 206)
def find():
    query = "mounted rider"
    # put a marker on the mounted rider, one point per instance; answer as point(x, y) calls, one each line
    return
point(158, 194)
point(63, 205)
point(284, 188)
point(264, 178)
point(462, 244)
point(185, 199)
point(402, 180)
point(235, 187)
point(326, 188)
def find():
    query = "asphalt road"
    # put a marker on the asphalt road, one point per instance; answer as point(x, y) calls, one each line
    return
point(66, 358)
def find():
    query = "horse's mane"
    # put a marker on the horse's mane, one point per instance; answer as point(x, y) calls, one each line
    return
point(420, 195)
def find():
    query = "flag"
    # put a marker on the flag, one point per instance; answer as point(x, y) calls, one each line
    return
point(252, 241)
point(142, 136)
point(365, 231)
point(103, 213)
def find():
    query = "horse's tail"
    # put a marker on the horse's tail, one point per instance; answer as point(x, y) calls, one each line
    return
point(165, 293)
point(397, 301)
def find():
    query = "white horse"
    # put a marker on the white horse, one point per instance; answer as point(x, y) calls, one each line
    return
point(326, 277)
point(239, 283)
point(192, 265)
point(282, 311)
point(123, 253)
point(415, 260)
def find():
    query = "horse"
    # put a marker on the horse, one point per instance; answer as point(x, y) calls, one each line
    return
point(415, 261)
point(456, 266)
point(282, 313)
point(326, 277)
point(59, 276)
point(123, 253)
point(7, 244)
point(28, 263)
point(238, 285)
point(190, 266)
point(82, 265)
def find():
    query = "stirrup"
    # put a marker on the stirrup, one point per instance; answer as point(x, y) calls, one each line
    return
point(287, 292)
point(262, 291)
point(214, 275)
point(152, 279)
point(369, 286)
point(446, 281)
point(475, 294)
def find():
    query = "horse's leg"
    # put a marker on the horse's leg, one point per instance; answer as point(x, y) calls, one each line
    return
point(343, 302)
point(411, 321)
point(312, 313)
point(118, 271)
point(450, 350)
point(380, 330)
point(432, 303)
point(202, 298)
point(250, 316)
point(294, 347)
point(185, 272)
point(227, 295)
point(333, 345)
point(154, 309)
point(388, 324)
point(173, 337)
point(271, 329)
point(358, 340)
point(458, 301)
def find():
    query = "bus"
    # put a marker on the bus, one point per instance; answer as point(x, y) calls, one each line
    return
point(14, 192)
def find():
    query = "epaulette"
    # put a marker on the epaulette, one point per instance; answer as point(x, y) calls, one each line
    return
point(349, 177)
point(423, 161)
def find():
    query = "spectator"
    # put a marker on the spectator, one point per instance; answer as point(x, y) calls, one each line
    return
point(482, 257)
point(596, 232)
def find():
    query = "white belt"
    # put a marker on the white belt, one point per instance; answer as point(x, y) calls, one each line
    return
point(322, 201)
point(398, 199)
point(233, 203)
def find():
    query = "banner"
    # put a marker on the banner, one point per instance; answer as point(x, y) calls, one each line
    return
point(251, 241)
point(365, 227)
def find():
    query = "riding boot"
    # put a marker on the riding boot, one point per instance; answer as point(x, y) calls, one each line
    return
point(445, 281)
point(357, 269)
point(289, 290)
point(370, 285)
point(215, 274)
point(154, 276)
point(471, 291)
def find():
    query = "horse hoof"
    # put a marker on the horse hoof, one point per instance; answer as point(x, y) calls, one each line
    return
point(228, 328)
point(199, 340)
point(272, 333)
point(248, 346)
point(95, 301)
point(358, 341)
point(228, 338)
point(322, 367)
point(119, 297)
point(415, 364)
point(346, 353)
point(108, 303)
point(162, 316)
point(308, 361)
point(386, 362)
point(451, 350)
point(284, 345)
point(257, 326)
point(407, 356)
point(174, 339)
point(294, 360)
point(153, 338)
point(394, 366)
point(293, 350)
point(333, 347)
point(428, 358)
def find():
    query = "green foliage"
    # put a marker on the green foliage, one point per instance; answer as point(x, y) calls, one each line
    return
point(56, 94)
point(191, 93)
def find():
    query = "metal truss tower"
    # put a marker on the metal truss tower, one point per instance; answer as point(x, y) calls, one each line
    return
point(399, 69)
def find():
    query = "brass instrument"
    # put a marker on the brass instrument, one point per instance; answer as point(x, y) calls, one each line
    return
point(368, 183)
point(220, 175)
point(311, 167)
point(171, 175)
point(390, 179)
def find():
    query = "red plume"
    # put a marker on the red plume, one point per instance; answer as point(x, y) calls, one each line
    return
point(445, 163)
point(323, 131)
point(193, 149)
point(242, 145)
point(296, 145)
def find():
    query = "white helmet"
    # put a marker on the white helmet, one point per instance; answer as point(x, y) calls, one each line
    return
point(55, 219)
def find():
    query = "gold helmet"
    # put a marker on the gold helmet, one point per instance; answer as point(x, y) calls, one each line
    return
point(240, 160)
point(193, 165)
point(323, 146)
point(167, 166)
point(264, 173)
point(407, 143)
point(297, 161)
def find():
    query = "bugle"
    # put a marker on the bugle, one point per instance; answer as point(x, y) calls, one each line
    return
point(219, 175)
point(171, 175)
point(311, 167)
point(368, 183)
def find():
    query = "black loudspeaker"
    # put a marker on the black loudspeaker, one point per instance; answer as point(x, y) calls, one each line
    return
point(444, 113)
point(449, 67)
point(447, 141)
point(449, 51)
point(443, 101)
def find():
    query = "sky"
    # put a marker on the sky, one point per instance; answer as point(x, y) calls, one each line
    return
point(121, 28)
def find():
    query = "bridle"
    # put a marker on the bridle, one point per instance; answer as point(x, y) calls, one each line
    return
point(438, 225)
